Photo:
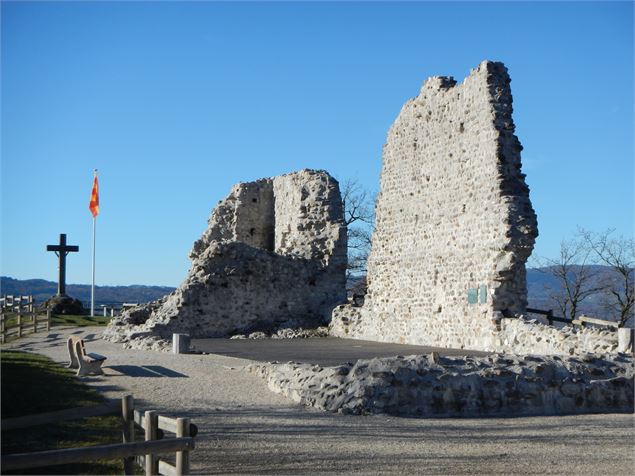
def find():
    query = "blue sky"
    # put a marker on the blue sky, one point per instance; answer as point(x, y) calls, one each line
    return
point(176, 102)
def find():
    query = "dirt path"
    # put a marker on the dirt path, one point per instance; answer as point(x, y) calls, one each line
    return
point(246, 429)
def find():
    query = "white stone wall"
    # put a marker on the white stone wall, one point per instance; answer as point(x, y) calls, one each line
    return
point(513, 336)
point(274, 254)
point(453, 217)
point(530, 337)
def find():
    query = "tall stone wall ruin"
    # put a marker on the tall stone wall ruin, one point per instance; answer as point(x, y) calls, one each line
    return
point(454, 223)
point(274, 252)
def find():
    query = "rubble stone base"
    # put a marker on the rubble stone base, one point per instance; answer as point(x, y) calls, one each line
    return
point(435, 386)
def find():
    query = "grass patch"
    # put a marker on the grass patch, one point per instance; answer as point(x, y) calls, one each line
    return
point(31, 384)
point(11, 322)
point(79, 321)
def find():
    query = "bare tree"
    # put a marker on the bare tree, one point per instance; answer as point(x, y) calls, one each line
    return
point(359, 240)
point(359, 215)
point(619, 254)
point(576, 277)
point(359, 204)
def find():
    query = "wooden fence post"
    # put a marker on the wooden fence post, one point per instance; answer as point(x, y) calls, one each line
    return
point(151, 426)
point(19, 323)
point(3, 329)
point(127, 416)
point(30, 302)
point(34, 317)
point(48, 319)
point(182, 457)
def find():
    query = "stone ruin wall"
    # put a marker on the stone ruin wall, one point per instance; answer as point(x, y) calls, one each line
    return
point(435, 386)
point(454, 224)
point(274, 252)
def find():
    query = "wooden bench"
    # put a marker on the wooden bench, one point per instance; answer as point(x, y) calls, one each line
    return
point(85, 364)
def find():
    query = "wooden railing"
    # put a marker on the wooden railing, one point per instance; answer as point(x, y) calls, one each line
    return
point(18, 316)
point(154, 426)
point(11, 302)
point(584, 320)
point(549, 315)
point(148, 450)
point(115, 309)
point(581, 321)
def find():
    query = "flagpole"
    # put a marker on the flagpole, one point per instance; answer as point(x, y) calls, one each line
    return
point(92, 288)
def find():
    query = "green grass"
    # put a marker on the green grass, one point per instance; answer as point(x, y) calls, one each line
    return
point(31, 384)
point(11, 321)
point(79, 321)
point(27, 377)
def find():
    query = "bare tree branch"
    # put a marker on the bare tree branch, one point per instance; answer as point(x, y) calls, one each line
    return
point(576, 277)
point(358, 203)
point(619, 254)
point(359, 215)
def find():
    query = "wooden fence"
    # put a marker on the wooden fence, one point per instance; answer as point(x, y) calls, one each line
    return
point(16, 303)
point(18, 316)
point(147, 451)
point(549, 315)
point(115, 309)
point(581, 321)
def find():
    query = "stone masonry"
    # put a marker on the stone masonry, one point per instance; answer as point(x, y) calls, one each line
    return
point(436, 386)
point(454, 224)
point(274, 254)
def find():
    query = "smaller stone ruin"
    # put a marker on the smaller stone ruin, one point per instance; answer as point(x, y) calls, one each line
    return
point(272, 257)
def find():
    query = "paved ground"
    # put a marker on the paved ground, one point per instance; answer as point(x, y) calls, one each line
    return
point(246, 429)
point(322, 351)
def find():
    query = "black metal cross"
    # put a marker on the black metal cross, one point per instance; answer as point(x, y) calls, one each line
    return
point(61, 251)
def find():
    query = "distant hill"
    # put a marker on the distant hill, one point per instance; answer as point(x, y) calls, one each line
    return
point(537, 283)
point(107, 295)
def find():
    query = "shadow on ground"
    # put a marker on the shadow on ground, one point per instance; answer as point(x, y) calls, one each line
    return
point(145, 371)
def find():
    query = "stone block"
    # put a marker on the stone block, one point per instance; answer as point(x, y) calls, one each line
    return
point(180, 343)
point(625, 340)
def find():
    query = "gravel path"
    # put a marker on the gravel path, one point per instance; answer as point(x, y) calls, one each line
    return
point(246, 429)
